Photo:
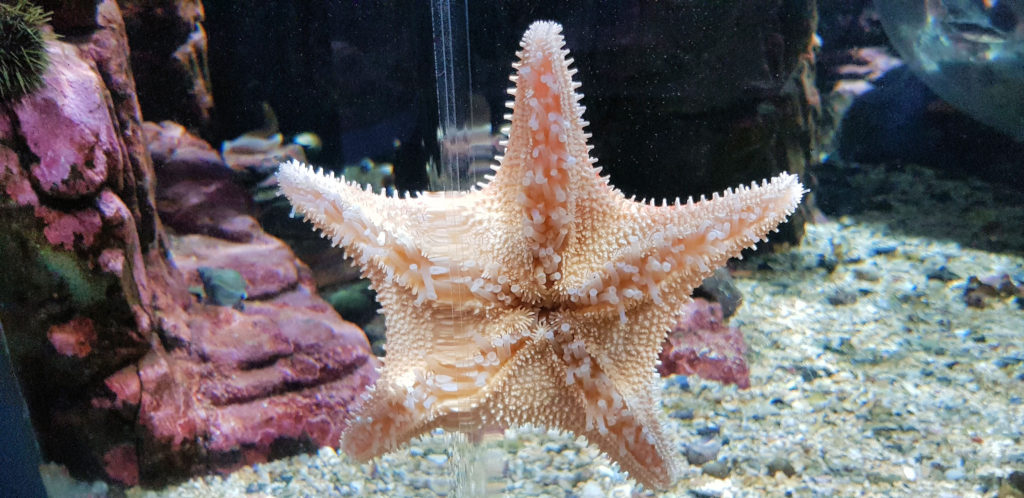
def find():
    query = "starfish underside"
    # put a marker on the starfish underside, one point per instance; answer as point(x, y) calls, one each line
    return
point(542, 297)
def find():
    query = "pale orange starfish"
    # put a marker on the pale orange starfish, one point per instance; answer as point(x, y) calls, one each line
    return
point(543, 297)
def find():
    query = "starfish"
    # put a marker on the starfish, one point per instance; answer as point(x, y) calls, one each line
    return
point(543, 296)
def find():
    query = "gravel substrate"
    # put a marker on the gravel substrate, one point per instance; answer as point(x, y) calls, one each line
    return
point(870, 375)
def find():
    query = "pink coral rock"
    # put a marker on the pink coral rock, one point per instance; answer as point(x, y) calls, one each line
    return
point(68, 126)
point(74, 338)
point(70, 229)
point(145, 384)
point(122, 464)
point(700, 344)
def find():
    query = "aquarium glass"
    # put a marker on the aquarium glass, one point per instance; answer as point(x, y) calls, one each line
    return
point(783, 258)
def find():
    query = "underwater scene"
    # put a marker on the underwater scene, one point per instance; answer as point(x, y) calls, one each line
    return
point(511, 248)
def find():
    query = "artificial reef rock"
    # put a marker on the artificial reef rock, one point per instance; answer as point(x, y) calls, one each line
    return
point(701, 344)
point(128, 375)
point(169, 59)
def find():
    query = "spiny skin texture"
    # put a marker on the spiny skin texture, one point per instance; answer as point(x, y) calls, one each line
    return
point(543, 297)
point(23, 56)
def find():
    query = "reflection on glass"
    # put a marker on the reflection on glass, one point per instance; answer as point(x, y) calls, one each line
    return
point(970, 52)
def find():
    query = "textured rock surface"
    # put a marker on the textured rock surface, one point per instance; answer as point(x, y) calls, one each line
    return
point(128, 377)
point(271, 377)
point(700, 344)
point(169, 59)
point(197, 193)
point(67, 125)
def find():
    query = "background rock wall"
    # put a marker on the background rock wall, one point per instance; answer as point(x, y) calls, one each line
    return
point(128, 375)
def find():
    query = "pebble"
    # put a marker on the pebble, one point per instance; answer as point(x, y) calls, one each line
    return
point(883, 250)
point(680, 382)
point(840, 297)
point(780, 464)
point(943, 274)
point(705, 493)
point(685, 414)
point(718, 469)
point(702, 452)
point(867, 274)
point(708, 431)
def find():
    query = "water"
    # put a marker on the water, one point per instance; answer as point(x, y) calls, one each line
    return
point(881, 326)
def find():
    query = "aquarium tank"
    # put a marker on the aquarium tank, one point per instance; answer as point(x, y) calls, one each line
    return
point(511, 248)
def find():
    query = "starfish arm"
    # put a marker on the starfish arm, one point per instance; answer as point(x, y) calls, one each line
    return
point(546, 163)
point(612, 363)
point(721, 227)
point(669, 250)
point(558, 385)
point(441, 367)
point(417, 243)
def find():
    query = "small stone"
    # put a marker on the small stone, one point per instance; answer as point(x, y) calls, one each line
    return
point(680, 382)
point(955, 474)
point(356, 487)
point(1009, 361)
point(705, 493)
point(554, 447)
point(685, 414)
point(883, 250)
point(943, 274)
point(841, 345)
point(702, 452)
point(828, 262)
point(978, 292)
point(718, 469)
point(841, 297)
point(867, 274)
point(708, 431)
point(810, 373)
point(780, 464)
point(1016, 480)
